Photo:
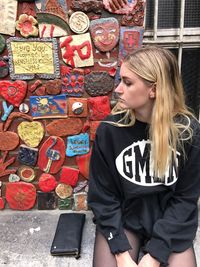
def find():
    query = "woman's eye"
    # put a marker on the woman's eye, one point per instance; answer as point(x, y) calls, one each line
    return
point(127, 83)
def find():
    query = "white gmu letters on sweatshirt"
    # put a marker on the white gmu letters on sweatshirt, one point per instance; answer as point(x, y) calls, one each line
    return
point(134, 163)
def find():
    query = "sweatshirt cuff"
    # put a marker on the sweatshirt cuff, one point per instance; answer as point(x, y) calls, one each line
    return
point(159, 250)
point(118, 243)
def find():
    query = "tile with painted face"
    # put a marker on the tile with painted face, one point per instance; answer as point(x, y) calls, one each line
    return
point(105, 33)
point(135, 93)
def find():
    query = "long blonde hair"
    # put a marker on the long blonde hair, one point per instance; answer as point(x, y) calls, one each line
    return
point(159, 66)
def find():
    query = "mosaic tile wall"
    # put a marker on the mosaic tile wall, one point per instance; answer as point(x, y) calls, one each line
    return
point(59, 64)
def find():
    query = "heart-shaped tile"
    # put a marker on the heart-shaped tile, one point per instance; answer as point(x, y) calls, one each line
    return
point(13, 92)
point(31, 132)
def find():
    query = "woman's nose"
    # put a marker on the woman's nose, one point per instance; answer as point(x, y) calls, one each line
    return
point(119, 88)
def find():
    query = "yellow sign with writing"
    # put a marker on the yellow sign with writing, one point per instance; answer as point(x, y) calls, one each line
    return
point(33, 57)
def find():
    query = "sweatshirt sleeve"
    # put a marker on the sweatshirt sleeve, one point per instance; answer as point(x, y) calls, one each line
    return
point(104, 198)
point(176, 230)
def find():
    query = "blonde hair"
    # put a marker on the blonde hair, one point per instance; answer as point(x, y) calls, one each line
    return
point(156, 65)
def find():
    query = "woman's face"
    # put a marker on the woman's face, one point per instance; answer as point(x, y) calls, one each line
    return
point(134, 93)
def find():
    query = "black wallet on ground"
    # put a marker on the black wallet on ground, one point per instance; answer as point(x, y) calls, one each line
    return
point(68, 235)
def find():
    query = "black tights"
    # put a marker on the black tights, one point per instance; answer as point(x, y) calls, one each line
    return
point(104, 258)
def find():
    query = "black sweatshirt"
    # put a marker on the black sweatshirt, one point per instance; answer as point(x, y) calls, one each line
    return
point(124, 194)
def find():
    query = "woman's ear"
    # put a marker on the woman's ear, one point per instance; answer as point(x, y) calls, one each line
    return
point(152, 93)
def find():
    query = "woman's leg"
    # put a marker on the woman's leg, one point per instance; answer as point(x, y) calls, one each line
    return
point(102, 255)
point(183, 259)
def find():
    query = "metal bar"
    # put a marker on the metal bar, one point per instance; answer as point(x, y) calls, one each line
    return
point(171, 41)
point(182, 15)
point(180, 53)
point(155, 25)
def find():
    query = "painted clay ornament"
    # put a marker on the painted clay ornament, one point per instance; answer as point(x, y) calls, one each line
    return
point(69, 176)
point(98, 83)
point(64, 127)
point(4, 69)
point(47, 182)
point(53, 87)
point(13, 92)
point(6, 110)
point(65, 204)
point(95, 6)
point(80, 201)
point(28, 7)
point(82, 162)
point(130, 39)
point(4, 164)
point(79, 22)
point(125, 10)
point(77, 107)
point(8, 14)
point(8, 140)
point(51, 155)
point(2, 43)
point(27, 155)
point(31, 133)
point(93, 127)
point(80, 186)
point(48, 106)
point(77, 50)
point(26, 25)
point(99, 107)
point(23, 108)
point(13, 178)
point(72, 82)
point(26, 173)
point(2, 203)
point(63, 190)
point(105, 33)
point(20, 195)
point(77, 145)
point(46, 200)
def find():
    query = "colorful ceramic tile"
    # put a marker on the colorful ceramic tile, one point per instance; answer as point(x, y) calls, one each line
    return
point(77, 107)
point(130, 39)
point(47, 182)
point(80, 186)
point(136, 16)
point(8, 14)
point(2, 203)
point(46, 201)
point(52, 18)
point(98, 83)
point(77, 145)
point(33, 58)
point(95, 6)
point(31, 132)
point(128, 8)
point(63, 190)
point(29, 8)
point(65, 204)
point(26, 25)
point(69, 176)
point(13, 92)
point(83, 162)
point(12, 178)
point(24, 108)
point(73, 82)
point(99, 107)
point(105, 33)
point(80, 201)
point(79, 22)
point(48, 106)
point(77, 50)
point(27, 155)
point(51, 155)
point(4, 68)
point(64, 127)
point(20, 195)
point(26, 173)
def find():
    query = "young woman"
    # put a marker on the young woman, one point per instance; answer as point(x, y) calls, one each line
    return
point(144, 171)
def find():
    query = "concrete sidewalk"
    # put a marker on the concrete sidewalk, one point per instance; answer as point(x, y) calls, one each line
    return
point(26, 237)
